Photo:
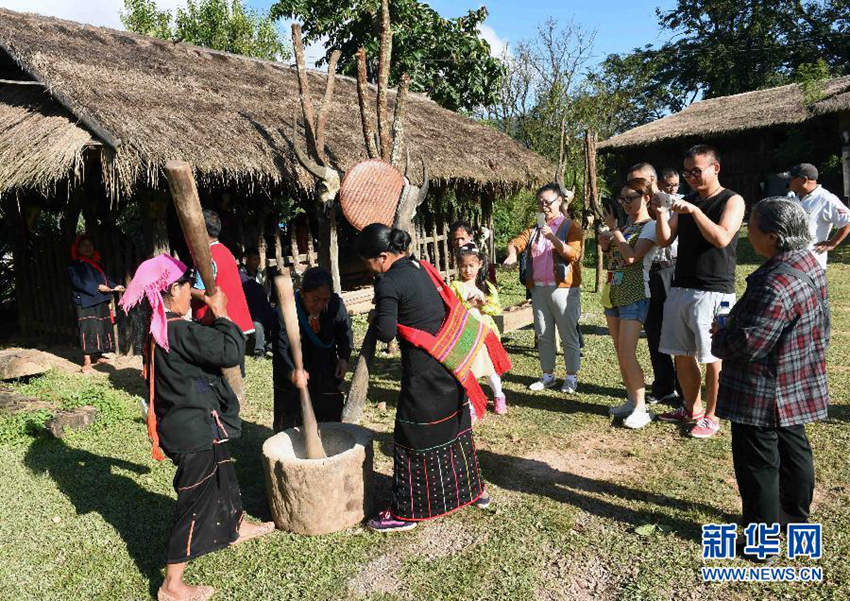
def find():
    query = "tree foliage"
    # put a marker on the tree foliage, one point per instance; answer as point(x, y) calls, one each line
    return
point(217, 24)
point(446, 58)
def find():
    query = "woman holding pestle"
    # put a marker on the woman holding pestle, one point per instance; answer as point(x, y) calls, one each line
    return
point(435, 469)
point(191, 416)
point(326, 341)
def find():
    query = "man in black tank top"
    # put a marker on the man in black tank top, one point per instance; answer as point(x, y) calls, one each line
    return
point(706, 224)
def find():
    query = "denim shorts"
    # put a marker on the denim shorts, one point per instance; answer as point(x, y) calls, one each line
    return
point(636, 311)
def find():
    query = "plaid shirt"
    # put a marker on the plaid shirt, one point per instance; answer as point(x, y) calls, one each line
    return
point(774, 348)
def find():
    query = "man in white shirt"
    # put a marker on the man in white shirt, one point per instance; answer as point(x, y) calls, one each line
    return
point(824, 208)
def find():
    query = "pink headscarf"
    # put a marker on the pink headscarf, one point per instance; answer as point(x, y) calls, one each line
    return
point(152, 277)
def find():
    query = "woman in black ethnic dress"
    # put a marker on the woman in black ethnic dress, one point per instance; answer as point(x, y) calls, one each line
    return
point(435, 467)
point(326, 341)
point(91, 293)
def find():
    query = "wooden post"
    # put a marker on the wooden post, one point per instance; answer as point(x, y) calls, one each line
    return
point(311, 257)
point(844, 126)
point(590, 186)
point(444, 244)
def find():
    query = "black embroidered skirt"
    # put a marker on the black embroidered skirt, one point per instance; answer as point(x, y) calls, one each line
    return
point(209, 504)
point(95, 329)
point(435, 468)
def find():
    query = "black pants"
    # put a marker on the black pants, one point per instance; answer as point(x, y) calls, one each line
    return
point(663, 369)
point(775, 473)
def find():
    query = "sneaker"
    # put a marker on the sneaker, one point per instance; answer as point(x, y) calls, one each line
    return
point(623, 410)
point(547, 381)
point(705, 428)
point(680, 416)
point(570, 385)
point(385, 522)
point(638, 419)
point(500, 405)
point(669, 399)
point(483, 502)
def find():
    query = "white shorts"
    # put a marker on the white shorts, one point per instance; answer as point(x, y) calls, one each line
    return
point(686, 327)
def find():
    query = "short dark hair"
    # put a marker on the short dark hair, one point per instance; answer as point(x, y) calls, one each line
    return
point(461, 225)
point(377, 238)
point(316, 277)
point(668, 172)
point(700, 150)
point(550, 187)
point(252, 252)
point(644, 166)
point(213, 223)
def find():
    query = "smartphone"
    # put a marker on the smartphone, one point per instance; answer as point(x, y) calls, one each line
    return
point(541, 220)
point(664, 199)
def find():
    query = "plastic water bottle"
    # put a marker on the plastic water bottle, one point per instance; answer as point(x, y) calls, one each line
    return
point(722, 316)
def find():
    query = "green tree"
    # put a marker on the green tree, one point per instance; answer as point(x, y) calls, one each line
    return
point(142, 16)
point(446, 58)
point(217, 24)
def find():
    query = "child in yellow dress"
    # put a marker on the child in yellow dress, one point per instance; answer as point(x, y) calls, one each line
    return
point(482, 300)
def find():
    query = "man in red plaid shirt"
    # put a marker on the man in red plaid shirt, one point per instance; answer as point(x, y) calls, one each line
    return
point(773, 379)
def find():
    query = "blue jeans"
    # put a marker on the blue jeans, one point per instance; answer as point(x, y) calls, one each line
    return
point(636, 311)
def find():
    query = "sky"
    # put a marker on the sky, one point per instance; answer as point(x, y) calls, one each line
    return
point(620, 25)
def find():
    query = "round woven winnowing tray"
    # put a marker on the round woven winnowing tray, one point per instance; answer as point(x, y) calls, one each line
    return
point(370, 193)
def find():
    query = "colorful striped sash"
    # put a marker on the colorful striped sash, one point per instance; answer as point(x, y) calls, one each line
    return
point(461, 337)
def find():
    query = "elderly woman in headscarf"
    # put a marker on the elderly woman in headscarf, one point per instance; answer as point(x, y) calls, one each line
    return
point(773, 382)
point(91, 292)
point(192, 413)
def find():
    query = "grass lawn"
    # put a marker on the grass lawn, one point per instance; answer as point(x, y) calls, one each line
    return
point(582, 510)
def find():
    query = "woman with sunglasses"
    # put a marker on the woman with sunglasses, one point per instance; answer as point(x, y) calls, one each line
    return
point(629, 249)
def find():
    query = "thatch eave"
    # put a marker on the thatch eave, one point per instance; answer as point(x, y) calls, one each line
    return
point(231, 116)
point(738, 113)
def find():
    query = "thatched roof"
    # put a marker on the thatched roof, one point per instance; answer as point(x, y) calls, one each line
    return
point(784, 105)
point(149, 101)
point(39, 143)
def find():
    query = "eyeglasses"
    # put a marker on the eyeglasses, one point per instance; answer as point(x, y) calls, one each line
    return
point(628, 199)
point(545, 203)
point(695, 172)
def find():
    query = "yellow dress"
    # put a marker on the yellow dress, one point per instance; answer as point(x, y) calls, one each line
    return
point(482, 366)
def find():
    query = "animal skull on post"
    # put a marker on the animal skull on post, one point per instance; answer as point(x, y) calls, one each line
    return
point(327, 178)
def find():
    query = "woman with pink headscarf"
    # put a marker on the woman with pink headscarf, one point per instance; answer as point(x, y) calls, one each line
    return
point(192, 413)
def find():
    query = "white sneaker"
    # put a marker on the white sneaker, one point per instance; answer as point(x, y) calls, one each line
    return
point(570, 385)
point(623, 410)
point(638, 419)
point(547, 381)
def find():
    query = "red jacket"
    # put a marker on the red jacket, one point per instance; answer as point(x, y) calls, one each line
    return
point(227, 278)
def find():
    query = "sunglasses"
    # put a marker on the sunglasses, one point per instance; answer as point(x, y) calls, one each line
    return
point(628, 199)
point(695, 172)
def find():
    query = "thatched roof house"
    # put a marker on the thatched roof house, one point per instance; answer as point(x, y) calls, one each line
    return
point(89, 116)
point(148, 101)
point(762, 131)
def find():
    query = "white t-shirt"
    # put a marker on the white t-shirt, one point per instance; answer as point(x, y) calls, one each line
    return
point(825, 211)
point(648, 233)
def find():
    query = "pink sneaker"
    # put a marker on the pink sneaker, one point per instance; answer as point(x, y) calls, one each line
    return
point(706, 428)
point(385, 522)
point(680, 416)
point(500, 405)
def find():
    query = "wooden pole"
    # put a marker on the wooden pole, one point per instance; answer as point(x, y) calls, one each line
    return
point(181, 182)
point(844, 125)
point(384, 81)
point(590, 161)
point(286, 299)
